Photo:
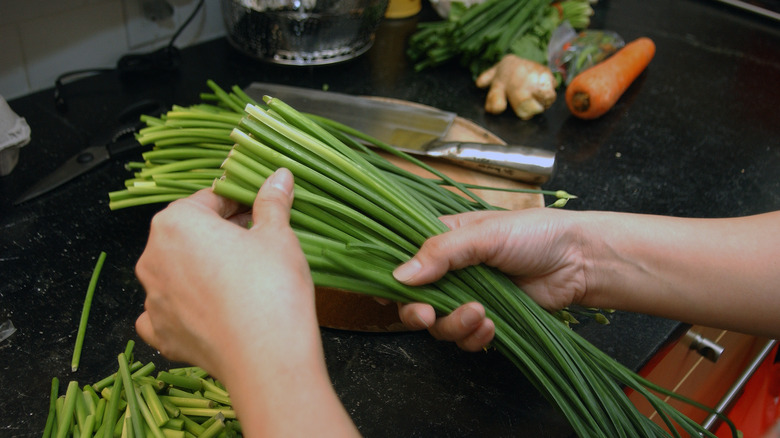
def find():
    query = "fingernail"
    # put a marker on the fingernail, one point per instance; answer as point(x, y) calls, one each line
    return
point(423, 324)
point(281, 180)
point(469, 317)
point(407, 271)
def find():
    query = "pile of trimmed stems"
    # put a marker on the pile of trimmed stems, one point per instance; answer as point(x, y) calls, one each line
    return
point(178, 403)
point(357, 217)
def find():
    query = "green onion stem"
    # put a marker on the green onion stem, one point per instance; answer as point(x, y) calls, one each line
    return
point(216, 427)
point(185, 382)
point(68, 409)
point(208, 412)
point(51, 418)
point(130, 396)
point(150, 422)
point(155, 405)
point(74, 363)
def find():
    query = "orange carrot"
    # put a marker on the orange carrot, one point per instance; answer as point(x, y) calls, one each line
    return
point(594, 91)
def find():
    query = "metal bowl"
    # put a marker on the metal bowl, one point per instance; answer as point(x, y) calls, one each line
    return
point(302, 32)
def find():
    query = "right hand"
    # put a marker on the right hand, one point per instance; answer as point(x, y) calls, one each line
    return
point(217, 291)
point(539, 249)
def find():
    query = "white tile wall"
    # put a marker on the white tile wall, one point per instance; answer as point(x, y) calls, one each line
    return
point(41, 39)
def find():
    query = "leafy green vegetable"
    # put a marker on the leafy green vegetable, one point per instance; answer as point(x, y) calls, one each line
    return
point(480, 35)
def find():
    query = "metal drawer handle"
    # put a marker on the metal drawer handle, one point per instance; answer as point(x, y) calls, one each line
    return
point(707, 348)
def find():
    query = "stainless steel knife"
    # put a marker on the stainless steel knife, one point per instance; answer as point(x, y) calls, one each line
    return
point(415, 129)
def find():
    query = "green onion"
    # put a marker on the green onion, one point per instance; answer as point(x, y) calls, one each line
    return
point(192, 426)
point(112, 409)
point(68, 409)
point(151, 425)
point(190, 402)
point(208, 412)
point(74, 364)
point(215, 428)
point(184, 382)
point(130, 395)
point(154, 404)
point(480, 35)
point(174, 424)
point(89, 426)
point(50, 419)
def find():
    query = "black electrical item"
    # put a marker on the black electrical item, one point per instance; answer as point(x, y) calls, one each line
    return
point(165, 59)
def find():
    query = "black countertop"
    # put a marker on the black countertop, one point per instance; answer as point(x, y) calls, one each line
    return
point(698, 135)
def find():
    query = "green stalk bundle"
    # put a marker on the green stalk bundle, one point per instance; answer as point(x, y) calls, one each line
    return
point(357, 217)
point(189, 144)
point(480, 35)
point(356, 223)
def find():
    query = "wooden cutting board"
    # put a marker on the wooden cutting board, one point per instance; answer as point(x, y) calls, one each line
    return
point(345, 310)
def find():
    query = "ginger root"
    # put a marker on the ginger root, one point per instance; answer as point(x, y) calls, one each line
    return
point(529, 86)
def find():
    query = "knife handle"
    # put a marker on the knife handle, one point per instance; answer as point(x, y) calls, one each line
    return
point(521, 163)
point(123, 148)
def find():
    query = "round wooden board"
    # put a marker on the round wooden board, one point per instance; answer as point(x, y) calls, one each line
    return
point(345, 310)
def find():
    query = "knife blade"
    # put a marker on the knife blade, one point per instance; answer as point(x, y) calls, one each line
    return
point(415, 129)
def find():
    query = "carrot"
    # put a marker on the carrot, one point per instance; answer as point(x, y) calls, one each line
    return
point(594, 91)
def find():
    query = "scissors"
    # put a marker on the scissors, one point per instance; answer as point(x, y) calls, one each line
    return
point(115, 144)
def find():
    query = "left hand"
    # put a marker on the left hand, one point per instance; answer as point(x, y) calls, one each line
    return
point(533, 247)
point(467, 325)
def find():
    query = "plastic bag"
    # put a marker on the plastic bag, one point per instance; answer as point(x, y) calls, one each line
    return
point(6, 329)
point(569, 52)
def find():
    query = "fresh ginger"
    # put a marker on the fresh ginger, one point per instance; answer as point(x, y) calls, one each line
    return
point(528, 85)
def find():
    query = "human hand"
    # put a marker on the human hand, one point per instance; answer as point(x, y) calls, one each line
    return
point(217, 291)
point(538, 249)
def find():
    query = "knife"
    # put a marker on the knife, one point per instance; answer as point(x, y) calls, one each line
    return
point(415, 129)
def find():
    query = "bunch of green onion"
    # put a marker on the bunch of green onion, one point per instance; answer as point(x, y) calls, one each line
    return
point(178, 403)
point(357, 217)
point(480, 35)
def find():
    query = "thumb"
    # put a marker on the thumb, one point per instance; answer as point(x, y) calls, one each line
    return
point(436, 256)
point(143, 326)
point(274, 200)
point(467, 243)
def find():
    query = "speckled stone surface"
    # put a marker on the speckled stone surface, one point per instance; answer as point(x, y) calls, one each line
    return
point(697, 135)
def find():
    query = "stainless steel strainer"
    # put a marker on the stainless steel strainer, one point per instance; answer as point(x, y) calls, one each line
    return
point(302, 32)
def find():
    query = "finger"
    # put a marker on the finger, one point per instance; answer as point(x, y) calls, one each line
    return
point(274, 199)
point(417, 316)
point(459, 324)
point(439, 254)
point(143, 326)
point(480, 338)
point(207, 199)
point(460, 220)
point(242, 219)
point(464, 245)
